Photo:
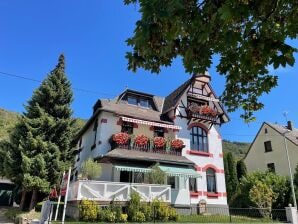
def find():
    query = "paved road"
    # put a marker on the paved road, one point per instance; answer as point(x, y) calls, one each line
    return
point(3, 219)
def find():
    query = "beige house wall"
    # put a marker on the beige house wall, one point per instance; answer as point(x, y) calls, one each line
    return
point(257, 159)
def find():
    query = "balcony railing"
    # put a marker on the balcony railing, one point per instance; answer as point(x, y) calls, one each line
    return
point(108, 191)
point(149, 147)
point(198, 115)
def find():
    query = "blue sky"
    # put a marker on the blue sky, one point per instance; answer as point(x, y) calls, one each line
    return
point(92, 36)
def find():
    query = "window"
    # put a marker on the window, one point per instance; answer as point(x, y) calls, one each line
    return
point(192, 184)
point(266, 130)
point(139, 101)
point(158, 132)
point(127, 127)
point(171, 181)
point(268, 146)
point(80, 142)
point(271, 167)
point(131, 177)
point(144, 103)
point(95, 133)
point(199, 139)
point(138, 177)
point(132, 100)
point(211, 180)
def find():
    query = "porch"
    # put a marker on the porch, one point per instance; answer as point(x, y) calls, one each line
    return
point(105, 191)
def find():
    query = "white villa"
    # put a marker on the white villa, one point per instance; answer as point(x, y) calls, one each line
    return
point(194, 166)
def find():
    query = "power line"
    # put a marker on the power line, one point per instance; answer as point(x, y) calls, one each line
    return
point(39, 81)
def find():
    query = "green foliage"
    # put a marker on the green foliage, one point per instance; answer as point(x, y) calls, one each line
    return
point(156, 175)
point(241, 169)
point(39, 147)
point(262, 195)
point(248, 36)
point(134, 205)
point(279, 185)
point(88, 210)
point(123, 218)
point(90, 169)
point(296, 176)
point(139, 217)
point(8, 120)
point(238, 149)
point(230, 175)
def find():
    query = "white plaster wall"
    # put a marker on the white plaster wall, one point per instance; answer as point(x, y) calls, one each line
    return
point(215, 148)
point(257, 159)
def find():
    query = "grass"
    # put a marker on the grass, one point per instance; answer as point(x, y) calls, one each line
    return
point(221, 219)
point(204, 219)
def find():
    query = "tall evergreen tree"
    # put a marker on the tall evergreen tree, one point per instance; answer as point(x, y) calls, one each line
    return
point(231, 181)
point(41, 142)
point(241, 169)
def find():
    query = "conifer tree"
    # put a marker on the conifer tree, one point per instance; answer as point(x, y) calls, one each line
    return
point(231, 181)
point(241, 169)
point(41, 142)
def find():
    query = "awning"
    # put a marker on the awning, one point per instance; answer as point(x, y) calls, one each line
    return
point(132, 169)
point(150, 123)
point(178, 171)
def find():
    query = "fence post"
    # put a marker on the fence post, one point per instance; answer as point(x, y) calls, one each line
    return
point(230, 215)
point(291, 213)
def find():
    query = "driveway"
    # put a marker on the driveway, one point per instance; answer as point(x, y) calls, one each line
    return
point(3, 219)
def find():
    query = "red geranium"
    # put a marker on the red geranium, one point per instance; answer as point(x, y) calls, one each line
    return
point(177, 144)
point(159, 142)
point(208, 111)
point(141, 140)
point(121, 138)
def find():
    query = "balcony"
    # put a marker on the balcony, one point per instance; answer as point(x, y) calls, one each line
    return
point(201, 112)
point(142, 143)
point(107, 191)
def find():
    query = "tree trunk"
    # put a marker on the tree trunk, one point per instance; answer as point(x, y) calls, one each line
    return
point(33, 200)
point(23, 198)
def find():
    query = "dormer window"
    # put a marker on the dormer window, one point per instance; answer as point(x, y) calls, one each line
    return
point(138, 101)
point(132, 100)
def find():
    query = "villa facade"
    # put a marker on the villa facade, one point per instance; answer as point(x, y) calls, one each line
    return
point(130, 134)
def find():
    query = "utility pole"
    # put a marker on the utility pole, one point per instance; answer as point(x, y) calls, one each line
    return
point(290, 169)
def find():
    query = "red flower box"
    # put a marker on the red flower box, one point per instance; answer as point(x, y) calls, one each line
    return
point(159, 142)
point(177, 144)
point(141, 140)
point(121, 138)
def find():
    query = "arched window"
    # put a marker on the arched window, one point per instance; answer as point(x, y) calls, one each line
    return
point(199, 139)
point(211, 180)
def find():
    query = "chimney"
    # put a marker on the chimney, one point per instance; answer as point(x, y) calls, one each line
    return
point(203, 77)
point(290, 125)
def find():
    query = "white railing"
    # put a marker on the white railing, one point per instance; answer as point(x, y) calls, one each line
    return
point(108, 191)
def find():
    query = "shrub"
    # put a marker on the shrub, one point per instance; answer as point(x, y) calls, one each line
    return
point(139, 217)
point(173, 215)
point(147, 210)
point(134, 205)
point(88, 210)
point(110, 216)
point(123, 218)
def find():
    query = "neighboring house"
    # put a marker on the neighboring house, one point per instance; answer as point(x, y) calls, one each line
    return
point(268, 152)
point(195, 172)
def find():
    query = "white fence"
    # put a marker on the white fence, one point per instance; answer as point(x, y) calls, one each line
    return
point(108, 191)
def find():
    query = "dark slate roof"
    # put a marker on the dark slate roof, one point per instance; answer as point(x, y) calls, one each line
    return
point(173, 99)
point(147, 156)
point(291, 135)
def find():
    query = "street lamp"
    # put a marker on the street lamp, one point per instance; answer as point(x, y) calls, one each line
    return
point(290, 169)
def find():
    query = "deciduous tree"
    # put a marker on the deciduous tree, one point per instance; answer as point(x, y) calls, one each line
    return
point(248, 36)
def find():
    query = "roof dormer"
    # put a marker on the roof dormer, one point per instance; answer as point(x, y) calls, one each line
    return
point(139, 99)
